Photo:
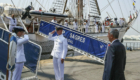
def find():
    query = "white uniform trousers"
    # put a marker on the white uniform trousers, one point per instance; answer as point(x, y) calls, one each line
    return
point(103, 29)
point(86, 30)
point(11, 28)
point(58, 69)
point(17, 72)
point(96, 29)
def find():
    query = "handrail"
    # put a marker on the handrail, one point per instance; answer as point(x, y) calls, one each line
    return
point(4, 23)
point(23, 25)
point(82, 34)
point(32, 43)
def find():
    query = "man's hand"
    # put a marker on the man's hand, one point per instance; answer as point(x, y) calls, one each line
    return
point(62, 61)
point(53, 32)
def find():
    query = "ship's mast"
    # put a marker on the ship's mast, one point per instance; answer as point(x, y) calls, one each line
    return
point(65, 6)
point(80, 11)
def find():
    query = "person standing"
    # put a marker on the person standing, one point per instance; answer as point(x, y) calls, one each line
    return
point(54, 20)
point(59, 52)
point(66, 23)
point(75, 25)
point(96, 26)
point(12, 22)
point(103, 28)
point(121, 22)
point(40, 9)
point(20, 56)
point(87, 24)
point(115, 58)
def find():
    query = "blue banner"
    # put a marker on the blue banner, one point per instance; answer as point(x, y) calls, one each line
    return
point(3, 56)
point(76, 39)
point(32, 53)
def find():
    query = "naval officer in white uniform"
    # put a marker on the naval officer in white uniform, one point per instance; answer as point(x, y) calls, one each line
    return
point(66, 23)
point(12, 22)
point(96, 26)
point(59, 53)
point(87, 24)
point(20, 56)
point(103, 28)
point(75, 25)
point(54, 20)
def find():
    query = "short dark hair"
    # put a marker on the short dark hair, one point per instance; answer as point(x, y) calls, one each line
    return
point(115, 33)
point(59, 29)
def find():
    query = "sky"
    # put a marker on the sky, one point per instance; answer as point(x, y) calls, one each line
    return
point(126, 7)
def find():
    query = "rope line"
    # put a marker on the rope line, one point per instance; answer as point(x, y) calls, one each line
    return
point(106, 6)
point(112, 8)
point(120, 9)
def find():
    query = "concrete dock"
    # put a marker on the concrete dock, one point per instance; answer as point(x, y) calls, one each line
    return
point(83, 68)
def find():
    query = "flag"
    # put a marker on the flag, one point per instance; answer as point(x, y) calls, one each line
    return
point(134, 1)
point(130, 16)
point(133, 4)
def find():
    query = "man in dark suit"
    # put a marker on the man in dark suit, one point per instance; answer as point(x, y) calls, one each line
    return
point(115, 58)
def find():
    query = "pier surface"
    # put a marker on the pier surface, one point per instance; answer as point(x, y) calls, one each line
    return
point(83, 68)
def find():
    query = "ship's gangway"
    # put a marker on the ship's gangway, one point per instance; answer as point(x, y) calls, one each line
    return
point(92, 47)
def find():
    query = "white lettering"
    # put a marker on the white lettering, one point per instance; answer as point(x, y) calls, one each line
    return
point(78, 38)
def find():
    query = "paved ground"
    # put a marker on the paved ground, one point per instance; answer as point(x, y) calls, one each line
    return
point(83, 68)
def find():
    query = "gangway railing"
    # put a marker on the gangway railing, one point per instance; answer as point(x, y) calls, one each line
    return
point(21, 23)
point(89, 45)
point(32, 53)
point(5, 26)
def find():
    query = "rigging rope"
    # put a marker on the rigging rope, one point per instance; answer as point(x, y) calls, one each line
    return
point(130, 4)
point(18, 3)
point(112, 8)
point(106, 6)
point(125, 7)
point(121, 9)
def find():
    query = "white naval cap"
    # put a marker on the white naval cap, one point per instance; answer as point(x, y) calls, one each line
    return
point(18, 28)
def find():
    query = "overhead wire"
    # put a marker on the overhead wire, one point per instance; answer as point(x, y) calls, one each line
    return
point(107, 6)
point(18, 3)
point(112, 8)
point(120, 9)
point(125, 7)
point(130, 4)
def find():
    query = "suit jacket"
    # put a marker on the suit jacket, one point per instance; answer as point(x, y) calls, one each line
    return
point(115, 62)
point(60, 46)
point(20, 56)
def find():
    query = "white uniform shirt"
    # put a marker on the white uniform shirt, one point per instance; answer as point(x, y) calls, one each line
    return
point(12, 23)
point(54, 21)
point(75, 25)
point(60, 46)
point(87, 24)
point(96, 27)
point(66, 24)
point(121, 23)
point(103, 28)
point(20, 56)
